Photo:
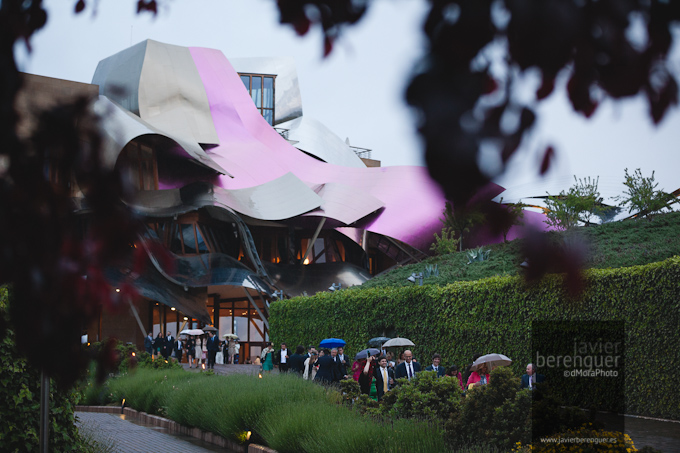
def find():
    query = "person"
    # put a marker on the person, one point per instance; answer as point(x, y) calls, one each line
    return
point(531, 378)
point(232, 350)
point(326, 367)
point(310, 366)
point(158, 344)
point(390, 360)
point(267, 358)
point(178, 348)
point(366, 376)
point(281, 358)
point(336, 365)
point(198, 354)
point(237, 348)
point(167, 346)
point(384, 377)
point(400, 359)
point(357, 368)
point(408, 368)
point(297, 360)
point(191, 351)
point(466, 374)
point(436, 360)
point(213, 345)
point(148, 343)
point(455, 373)
point(344, 363)
point(225, 352)
point(478, 377)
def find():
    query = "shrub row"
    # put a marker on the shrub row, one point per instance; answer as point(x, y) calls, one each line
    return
point(281, 411)
point(496, 315)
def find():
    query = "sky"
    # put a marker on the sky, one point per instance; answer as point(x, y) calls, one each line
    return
point(357, 91)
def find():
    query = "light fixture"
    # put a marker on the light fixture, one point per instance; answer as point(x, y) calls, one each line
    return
point(278, 295)
point(186, 319)
point(335, 287)
point(525, 264)
point(117, 290)
point(416, 277)
point(172, 308)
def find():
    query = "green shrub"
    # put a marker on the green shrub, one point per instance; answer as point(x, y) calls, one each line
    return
point(496, 314)
point(20, 399)
point(426, 396)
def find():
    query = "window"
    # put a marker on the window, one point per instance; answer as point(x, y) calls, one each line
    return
point(139, 165)
point(261, 89)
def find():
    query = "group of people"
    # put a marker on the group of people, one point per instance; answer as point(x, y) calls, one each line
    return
point(332, 365)
point(170, 347)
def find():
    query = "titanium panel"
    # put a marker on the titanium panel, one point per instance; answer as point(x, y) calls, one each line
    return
point(121, 126)
point(316, 139)
point(118, 76)
point(345, 203)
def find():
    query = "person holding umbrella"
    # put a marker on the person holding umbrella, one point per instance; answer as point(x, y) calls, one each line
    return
point(191, 351)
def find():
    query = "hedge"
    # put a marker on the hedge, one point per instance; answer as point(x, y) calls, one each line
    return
point(496, 315)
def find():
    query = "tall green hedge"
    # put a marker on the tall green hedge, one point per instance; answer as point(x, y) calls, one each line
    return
point(496, 314)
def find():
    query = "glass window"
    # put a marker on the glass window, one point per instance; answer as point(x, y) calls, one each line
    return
point(202, 246)
point(269, 116)
point(256, 91)
point(189, 239)
point(268, 93)
point(246, 81)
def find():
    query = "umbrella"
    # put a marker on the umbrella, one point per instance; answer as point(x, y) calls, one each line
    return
point(492, 360)
point(366, 352)
point(231, 336)
point(377, 341)
point(395, 342)
point(192, 332)
point(332, 343)
point(208, 329)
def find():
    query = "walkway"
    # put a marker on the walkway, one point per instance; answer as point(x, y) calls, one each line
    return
point(115, 434)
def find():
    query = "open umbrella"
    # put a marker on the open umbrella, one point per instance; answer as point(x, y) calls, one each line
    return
point(366, 352)
point(230, 336)
point(208, 329)
point(192, 332)
point(332, 343)
point(377, 341)
point(396, 342)
point(492, 360)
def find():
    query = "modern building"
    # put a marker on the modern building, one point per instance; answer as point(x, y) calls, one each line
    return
point(250, 200)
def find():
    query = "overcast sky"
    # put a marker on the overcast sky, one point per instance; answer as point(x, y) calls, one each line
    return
point(358, 91)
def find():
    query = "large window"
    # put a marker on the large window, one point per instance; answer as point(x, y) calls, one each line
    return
point(261, 89)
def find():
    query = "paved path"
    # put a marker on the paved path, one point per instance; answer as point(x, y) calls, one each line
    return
point(118, 435)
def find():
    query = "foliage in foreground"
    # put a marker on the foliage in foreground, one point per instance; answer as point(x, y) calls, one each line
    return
point(20, 400)
point(281, 411)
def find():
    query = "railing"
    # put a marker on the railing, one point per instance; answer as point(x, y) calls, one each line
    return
point(363, 153)
point(282, 132)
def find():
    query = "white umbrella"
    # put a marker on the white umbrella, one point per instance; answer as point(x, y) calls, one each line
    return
point(396, 342)
point(192, 332)
point(492, 360)
point(231, 336)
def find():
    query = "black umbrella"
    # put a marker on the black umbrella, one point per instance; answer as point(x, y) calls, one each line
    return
point(377, 341)
point(366, 352)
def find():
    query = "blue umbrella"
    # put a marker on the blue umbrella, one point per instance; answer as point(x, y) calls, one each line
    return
point(332, 343)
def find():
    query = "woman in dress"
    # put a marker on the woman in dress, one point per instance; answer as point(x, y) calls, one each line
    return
point(191, 351)
point(310, 367)
point(232, 350)
point(267, 358)
point(198, 355)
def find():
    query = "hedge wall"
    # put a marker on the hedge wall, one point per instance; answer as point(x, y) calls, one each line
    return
point(496, 315)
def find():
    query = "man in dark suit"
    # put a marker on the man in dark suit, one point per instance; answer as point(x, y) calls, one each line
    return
point(179, 349)
point(384, 377)
point(336, 365)
point(436, 360)
point(148, 343)
point(168, 343)
point(326, 366)
point(531, 378)
point(344, 362)
point(212, 346)
point(408, 368)
point(281, 358)
point(297, 360)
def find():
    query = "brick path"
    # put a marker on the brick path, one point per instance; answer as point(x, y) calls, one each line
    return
point(123, 436)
